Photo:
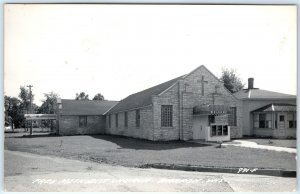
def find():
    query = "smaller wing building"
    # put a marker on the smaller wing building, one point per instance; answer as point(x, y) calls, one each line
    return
point(267, 113)
point(82, 116)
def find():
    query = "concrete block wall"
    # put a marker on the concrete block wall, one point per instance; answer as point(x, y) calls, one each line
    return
point(170, 97)
point(192, 96)
point(144, 131)
point(221, 119)
point(69, 125)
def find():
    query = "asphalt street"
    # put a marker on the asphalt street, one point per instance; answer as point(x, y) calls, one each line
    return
point(31, 172)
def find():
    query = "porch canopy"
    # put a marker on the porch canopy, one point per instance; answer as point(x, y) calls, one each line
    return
point(277, 108)
point(40, 116)
point(211, 109)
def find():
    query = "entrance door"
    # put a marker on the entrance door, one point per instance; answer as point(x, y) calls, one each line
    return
point(281, 124)
point(200, 124)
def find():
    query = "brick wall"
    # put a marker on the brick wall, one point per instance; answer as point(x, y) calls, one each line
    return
point(69, 125)
point(144, 131)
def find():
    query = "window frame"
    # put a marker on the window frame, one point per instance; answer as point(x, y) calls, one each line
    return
point(166, 116)
point(219, 130)
point(264, 122)
point(109, 121)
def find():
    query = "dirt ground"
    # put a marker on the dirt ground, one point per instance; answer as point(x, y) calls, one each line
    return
point(134, 153)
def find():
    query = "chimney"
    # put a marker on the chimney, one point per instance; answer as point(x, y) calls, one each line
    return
point(250, 83)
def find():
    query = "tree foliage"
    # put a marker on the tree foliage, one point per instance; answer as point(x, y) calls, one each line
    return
point(49, 105)
point(231, 80)
point(98, 96)
point(24, 95)
point(82, 96)
point(14, 113)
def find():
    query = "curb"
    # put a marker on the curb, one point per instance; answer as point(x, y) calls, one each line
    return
point(234, 170)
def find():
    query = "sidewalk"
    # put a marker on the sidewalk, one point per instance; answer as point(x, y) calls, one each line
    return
point(248, 144)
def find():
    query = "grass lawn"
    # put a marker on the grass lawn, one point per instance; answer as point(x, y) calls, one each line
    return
point(134, 153)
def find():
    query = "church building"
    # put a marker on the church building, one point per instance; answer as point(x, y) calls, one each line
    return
point(190, 107)
point(195, 106)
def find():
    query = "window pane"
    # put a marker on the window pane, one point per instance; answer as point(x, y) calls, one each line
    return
point(281, 118)
point(225, 130)
point(291, 124)
point(166, 115)
point(213, 130)
point(219, 129)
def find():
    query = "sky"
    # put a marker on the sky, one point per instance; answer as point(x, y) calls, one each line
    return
point(118, 50)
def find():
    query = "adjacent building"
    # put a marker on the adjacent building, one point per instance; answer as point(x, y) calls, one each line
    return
point(266, 113)
point(78, 117)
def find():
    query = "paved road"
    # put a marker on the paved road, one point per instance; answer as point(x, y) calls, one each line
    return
point(30, 172)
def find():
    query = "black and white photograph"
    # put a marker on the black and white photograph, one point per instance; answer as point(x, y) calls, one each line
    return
point(150, 97)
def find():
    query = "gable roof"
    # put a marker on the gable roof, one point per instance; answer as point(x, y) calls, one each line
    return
point(262, 94)
point(277, 107)
point(143, 98)
point(86, 107)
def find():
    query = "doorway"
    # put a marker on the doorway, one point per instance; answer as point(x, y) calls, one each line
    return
point(200, 123)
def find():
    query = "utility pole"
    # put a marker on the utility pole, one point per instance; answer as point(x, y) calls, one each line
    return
point(30, 108)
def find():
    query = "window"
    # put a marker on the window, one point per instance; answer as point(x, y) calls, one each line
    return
point(219, 130)
point(225, 130)
point(82, 121)
point(109, 121)
point(213, 130)
point(125, 119)
point(117, 120)
point(265, 120)
point(137, 118)
point(291, 117)
point(166, 115)
point(232, 117)
point(281, 118)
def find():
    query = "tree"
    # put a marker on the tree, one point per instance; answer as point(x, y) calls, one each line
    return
point(82, 96)
point(231, 80)
point(49, 105)
point(24, 95)
point(98, 97)
point(14, 113)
